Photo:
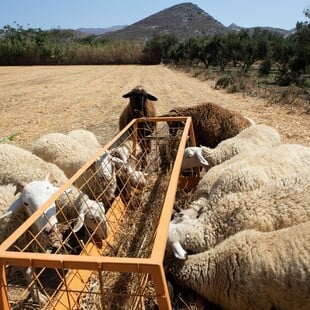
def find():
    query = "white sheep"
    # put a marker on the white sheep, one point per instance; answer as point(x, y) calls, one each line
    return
point(70, 155)
point(15, 209)
point(129, 179)
point(250, 138)
point(85, 137)
point(128, 152)
point(280, 204)
point(250, 170)
point(252, 270)
point(18, 165)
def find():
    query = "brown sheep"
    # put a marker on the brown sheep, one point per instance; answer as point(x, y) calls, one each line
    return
point(140, 105)
point(212, 123)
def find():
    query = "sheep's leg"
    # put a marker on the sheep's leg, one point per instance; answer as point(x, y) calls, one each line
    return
point(36, 295)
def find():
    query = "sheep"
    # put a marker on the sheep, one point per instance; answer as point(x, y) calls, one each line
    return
point(251, 270)
point(212, 123)
point(18, 165)
point(86, 138)
point(126, 158)
point(32, 196)
point(140, 105)
point(248, 139)
point(280, 204)
point(70, 155)
point(250, 170)
point(128, 152)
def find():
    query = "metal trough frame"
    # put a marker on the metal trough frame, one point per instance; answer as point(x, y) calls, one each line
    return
point(96, 262)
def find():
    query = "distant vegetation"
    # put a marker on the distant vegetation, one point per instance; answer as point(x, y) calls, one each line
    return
point(277, 59)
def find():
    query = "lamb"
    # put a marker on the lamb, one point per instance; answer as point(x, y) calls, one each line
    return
point(252, 270)
point(277, 205)
point(140, 105)
point(248, 139)
point(70, 155)
point(212, 123)
point(18, 165)
point(250, 170)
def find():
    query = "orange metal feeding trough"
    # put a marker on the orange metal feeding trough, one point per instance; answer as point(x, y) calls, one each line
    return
point(125, 270)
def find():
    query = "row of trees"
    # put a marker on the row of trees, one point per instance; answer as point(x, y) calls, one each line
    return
point(240, 50)
point(19, 46)
point(290, 55)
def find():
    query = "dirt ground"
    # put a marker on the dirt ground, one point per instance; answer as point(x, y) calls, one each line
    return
point(39, 100)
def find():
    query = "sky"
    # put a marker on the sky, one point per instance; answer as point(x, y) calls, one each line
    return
point(73, 14)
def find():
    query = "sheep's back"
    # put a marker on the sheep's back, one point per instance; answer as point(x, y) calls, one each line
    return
point(19, 165)
point(62, 150)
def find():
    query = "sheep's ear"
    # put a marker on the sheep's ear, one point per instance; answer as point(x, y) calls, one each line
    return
point(178, 251)
point(202, 160)
point(50, 178)
point(79, 222)
point(151, 97)
point(130, 94)
point(20, 187)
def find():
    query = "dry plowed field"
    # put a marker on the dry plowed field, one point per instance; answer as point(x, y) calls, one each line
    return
point(39, 100)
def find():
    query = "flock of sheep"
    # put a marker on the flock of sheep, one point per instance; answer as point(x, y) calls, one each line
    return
point(243, 242)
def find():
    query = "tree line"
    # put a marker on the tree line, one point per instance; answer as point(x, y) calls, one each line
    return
point(236, 50)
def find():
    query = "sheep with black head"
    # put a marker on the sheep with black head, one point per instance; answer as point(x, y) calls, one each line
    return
point(140, 106)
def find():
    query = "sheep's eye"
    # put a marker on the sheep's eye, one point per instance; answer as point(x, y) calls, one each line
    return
point(26, 204)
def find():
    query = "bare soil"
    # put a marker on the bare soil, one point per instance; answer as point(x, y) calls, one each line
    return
point(39, 100)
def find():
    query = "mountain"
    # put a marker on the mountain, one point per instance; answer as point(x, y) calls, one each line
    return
point(183, 20)
point(280, 31)
point(97, 31)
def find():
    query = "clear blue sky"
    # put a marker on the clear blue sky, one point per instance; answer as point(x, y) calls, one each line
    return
point(73, 14)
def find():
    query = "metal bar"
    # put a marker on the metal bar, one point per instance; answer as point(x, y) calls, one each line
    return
point(162, 229)
point(4, 300)
point(161, 288)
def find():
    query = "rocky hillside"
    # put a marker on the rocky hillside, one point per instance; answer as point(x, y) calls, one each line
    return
point(183, 20)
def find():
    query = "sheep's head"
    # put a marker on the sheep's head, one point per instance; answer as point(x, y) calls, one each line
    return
point(174, 126)
point(105, 165)
point(193, 157)
point(174, 241)
point(33, 196)
point(138, 97)
point(92, 215)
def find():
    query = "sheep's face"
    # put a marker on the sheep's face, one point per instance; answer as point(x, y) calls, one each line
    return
point(193, 157)
point(92, 215)
point(138, 96)
point(106, 169)
point(34, 195)
point(174, 127)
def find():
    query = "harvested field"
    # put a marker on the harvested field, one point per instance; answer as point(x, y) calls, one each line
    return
point(38, 100)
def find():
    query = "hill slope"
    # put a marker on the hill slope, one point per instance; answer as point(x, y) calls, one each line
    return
point(183, 20)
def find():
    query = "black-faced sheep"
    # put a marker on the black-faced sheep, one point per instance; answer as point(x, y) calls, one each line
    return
point(140, 105)
point(252, 270)
point(212, 123)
